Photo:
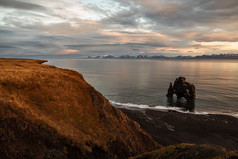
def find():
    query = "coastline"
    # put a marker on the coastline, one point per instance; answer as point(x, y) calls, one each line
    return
point(50, 111)
point(169, 128)
point(183, 110)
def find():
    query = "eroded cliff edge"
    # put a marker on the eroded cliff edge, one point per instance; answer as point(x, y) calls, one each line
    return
point(48, 112)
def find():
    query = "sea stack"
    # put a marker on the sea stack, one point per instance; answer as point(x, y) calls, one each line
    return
point(182, 89)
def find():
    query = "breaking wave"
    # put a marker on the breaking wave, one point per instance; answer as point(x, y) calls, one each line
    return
point(133, 106)
point(143, 106)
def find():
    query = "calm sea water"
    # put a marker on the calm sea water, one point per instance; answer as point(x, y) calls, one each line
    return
point(144, 83)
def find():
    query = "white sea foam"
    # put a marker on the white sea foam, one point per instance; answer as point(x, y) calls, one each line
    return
point(129, 105)
point(201, 113)
point(143, 106)
point(160, 108)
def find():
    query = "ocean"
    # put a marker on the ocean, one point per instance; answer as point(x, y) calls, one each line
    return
point(139, 84)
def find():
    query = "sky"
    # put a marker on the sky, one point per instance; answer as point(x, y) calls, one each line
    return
point(118, 27)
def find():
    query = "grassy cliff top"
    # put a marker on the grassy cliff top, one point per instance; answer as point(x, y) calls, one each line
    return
point(45, 111)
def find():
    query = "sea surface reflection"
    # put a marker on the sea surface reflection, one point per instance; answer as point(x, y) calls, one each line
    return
point(145, 82)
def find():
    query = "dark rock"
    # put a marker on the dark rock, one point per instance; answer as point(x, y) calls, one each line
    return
point(184, 105)
point(182, 89)
point(170, 91)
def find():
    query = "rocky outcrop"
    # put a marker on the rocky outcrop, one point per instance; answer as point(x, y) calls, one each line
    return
point(48, 112)
point(182, 89)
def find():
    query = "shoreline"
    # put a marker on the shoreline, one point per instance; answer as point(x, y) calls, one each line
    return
point(170, 128)
point(131, 106)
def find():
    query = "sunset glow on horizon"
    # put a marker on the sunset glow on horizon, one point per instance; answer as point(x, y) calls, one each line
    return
point(118, 27)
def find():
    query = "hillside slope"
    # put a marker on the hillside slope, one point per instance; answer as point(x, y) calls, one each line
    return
point(48, 112)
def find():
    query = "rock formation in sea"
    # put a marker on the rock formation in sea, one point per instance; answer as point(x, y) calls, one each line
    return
point(48, 112)
point(182, 89)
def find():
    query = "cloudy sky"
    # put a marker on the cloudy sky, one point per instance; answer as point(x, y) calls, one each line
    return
point(116, 27)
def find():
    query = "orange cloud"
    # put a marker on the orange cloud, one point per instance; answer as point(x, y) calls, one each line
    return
point(127, 37)
point(68, 51)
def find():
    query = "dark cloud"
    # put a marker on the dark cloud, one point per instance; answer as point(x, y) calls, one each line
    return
point(7, 46)
point(149, 44)
point(117, 45)
point(217, 4)
point(210, 37)
point(126, 48)
point(102, 37)
point(35, 44)
point(19, 41)
point(135, 49)
point(180, 15)
point(3, 31)
point(20, 5)
point(124, 17)
point(217, 37)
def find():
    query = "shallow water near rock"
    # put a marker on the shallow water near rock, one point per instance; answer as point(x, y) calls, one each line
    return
point(136, 83)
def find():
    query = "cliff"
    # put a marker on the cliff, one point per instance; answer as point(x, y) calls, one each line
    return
point(48, 112)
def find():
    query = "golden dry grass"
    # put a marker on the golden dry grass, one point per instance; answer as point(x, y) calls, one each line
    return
point(65, 102)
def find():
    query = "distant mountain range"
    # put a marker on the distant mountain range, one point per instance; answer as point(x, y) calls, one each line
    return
point(220, 56)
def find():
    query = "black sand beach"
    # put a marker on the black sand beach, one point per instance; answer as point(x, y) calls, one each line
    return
point(168, 128)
